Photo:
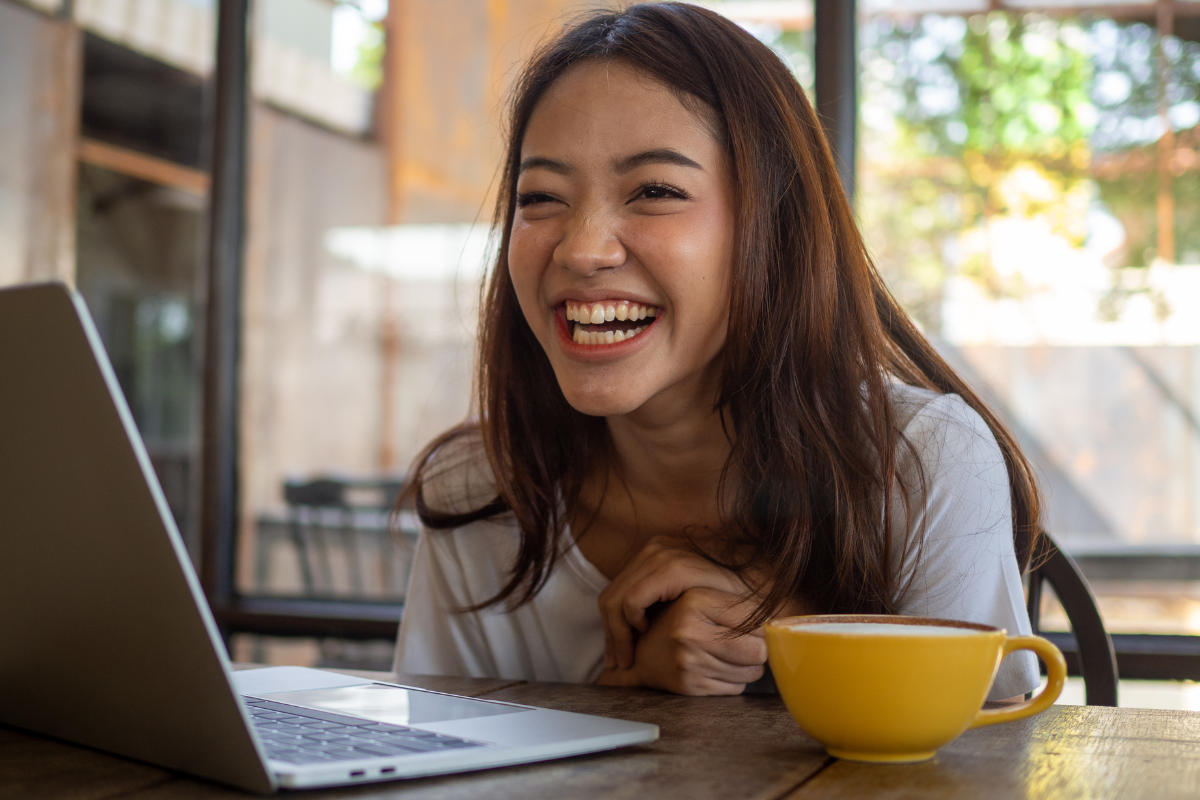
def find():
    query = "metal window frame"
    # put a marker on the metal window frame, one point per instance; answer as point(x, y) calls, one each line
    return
point(1138, 655)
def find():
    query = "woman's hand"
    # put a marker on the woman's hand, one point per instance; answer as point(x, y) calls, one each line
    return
point(686, 649)
point(662, 572)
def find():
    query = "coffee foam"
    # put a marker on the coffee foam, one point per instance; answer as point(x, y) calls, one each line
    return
point(885, 629)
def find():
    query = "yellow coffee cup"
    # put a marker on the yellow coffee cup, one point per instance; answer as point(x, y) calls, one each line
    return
point(895, 689)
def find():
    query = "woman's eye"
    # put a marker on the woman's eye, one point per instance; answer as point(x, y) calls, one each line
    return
point(660, 191)
point(532, 198)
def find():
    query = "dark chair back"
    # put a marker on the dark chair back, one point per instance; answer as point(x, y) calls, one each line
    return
point(321, 515)
point(1097, 658)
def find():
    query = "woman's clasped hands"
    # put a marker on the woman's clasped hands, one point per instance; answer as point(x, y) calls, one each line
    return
point(668, 622)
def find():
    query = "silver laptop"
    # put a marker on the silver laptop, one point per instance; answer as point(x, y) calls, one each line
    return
point(106, 639)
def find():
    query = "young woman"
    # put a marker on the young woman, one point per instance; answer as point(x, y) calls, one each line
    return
point(698, 405)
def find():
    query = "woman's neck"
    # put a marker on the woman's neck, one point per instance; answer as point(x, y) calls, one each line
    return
point(662, 479)
point(671, 455)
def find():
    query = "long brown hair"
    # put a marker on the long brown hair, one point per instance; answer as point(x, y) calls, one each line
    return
point(814, 340)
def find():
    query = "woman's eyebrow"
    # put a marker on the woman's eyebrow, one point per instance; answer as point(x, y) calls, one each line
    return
point(661, 155)
point(534, 162)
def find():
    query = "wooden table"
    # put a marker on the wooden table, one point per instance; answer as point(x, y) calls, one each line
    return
point(736, 747)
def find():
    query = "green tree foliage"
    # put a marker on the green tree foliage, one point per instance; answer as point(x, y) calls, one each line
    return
point(952, 107)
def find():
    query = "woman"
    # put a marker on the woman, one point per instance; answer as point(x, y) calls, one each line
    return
point(699, 407)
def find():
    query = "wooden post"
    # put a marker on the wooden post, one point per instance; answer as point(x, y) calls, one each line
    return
point(1166, 142)
point(389, 355)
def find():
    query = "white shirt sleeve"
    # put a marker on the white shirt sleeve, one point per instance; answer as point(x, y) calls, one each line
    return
point(558, 636)
point(966, 568)
point(433, 639)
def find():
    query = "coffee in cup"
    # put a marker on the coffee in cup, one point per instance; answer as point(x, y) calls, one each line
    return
point(895, 689)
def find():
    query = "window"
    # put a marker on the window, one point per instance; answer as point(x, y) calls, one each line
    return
point(1028, 183)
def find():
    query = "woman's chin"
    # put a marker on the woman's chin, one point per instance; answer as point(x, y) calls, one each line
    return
point(603, 404)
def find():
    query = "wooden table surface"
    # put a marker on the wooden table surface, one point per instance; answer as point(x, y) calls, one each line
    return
point(736, 747)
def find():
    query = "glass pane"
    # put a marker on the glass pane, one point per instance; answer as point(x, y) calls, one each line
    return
point(363, 272)
point(358, 333)
point(140, 233)
point(1029, 184)
point(139, 260)
point(786, 26)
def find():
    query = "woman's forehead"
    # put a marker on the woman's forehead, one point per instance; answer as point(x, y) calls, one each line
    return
point(610, 106)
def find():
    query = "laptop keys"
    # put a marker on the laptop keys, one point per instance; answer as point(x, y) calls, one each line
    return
point(299, 739)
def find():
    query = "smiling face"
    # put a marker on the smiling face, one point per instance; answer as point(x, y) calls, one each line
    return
point(622, 244)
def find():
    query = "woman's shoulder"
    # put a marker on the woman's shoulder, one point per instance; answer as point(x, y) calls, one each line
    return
point(941, 426)
point(456, 477)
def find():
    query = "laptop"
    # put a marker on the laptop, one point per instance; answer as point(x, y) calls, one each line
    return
point(105, 636)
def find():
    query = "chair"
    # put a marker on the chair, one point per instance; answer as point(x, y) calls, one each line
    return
point(327, 514)
point(1097, 658)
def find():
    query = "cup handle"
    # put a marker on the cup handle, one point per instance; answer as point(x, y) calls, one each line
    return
point(1056, 669)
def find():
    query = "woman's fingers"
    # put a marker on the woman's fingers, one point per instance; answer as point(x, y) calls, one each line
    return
point(714, 667)
point(660, 573)
point(724, 612)
point(685, 652)
point(667, 580)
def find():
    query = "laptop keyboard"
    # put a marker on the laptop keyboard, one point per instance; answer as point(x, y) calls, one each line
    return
point(300, 736)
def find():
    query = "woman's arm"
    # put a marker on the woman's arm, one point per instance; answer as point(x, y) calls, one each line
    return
point(966, 567)
point(433, 640)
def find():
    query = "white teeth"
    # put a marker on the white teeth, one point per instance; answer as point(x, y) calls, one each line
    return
point(599, 313)
point(594, 314)
point(581, 336)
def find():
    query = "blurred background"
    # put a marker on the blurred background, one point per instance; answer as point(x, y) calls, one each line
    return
point(1027, 175)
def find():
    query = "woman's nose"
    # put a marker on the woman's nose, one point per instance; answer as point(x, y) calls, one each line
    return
point(591, 244)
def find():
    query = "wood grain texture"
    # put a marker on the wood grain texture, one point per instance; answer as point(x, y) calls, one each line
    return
point(35, 767)
point(743, 747)
point(1068, 751)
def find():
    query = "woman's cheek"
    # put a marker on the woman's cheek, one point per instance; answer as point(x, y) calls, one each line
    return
point(525, 285)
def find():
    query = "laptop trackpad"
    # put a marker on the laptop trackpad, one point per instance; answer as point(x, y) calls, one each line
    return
point(394, 705)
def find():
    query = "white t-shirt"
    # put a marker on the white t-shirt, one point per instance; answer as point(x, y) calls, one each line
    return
point(967, 568)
